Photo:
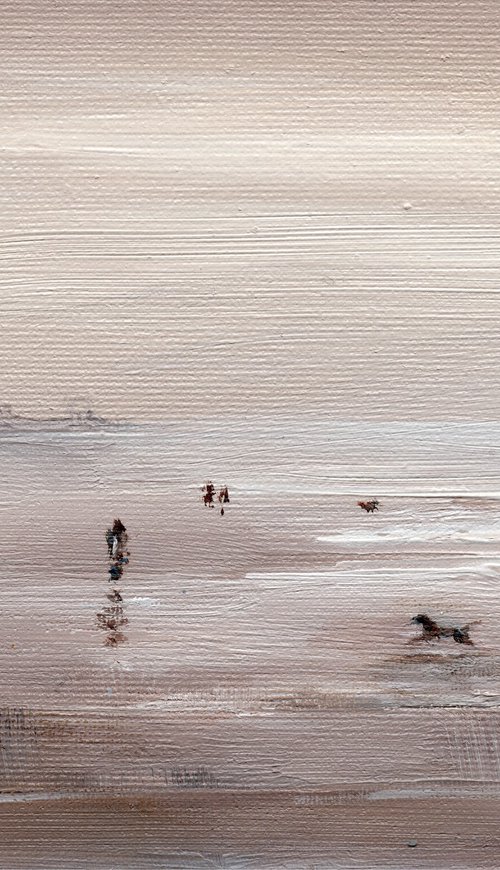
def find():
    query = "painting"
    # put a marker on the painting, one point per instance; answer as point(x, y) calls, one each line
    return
point(249, 485)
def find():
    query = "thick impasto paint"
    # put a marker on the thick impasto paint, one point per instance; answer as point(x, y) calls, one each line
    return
point(249, 436)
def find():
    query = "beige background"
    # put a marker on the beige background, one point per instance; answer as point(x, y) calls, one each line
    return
point(260, 243)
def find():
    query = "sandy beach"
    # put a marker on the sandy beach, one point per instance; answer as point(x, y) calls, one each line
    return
point(255, 245)
point(268, 669)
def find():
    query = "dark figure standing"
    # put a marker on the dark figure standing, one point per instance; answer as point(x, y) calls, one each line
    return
point(208, 494)
point(223, 498)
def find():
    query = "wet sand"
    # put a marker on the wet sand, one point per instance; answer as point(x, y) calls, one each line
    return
point(267, 707)
point(249, 831)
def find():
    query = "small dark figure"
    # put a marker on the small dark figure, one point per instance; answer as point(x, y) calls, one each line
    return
point(223, 498)
point(369, 506)
point(224, 495)
point(208, 494)
point(432, 631)
point(111, 619)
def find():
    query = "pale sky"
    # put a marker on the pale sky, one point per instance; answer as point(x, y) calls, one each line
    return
point(213, 207)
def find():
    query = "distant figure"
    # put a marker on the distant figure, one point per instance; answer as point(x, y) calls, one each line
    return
point(224, 495)
point(369, 506)
point(208, 494)
point(223, 498)
point(432, 631)
point(109, 540)
point(116, 544)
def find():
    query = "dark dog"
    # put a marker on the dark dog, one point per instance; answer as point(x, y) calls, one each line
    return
point(369, 506)
point(432, 631)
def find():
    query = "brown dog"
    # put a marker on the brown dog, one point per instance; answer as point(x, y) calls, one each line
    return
point(432, 631)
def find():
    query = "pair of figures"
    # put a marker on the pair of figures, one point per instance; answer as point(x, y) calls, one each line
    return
point(209, 496)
